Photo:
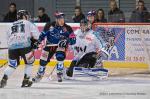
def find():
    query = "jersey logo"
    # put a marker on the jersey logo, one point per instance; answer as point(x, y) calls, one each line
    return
point(13, 63)
point(80, 49)
point(88, 38)
point(61, 31)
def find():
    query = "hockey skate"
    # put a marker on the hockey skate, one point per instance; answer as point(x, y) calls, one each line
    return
point(3, 82)
point(59, 76)
point(68, 75)
point(26, 82)
point(37, 78)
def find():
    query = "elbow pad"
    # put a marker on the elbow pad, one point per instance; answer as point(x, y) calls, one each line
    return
point(72, 39)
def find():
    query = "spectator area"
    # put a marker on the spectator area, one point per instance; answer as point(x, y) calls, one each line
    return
point(127, 6)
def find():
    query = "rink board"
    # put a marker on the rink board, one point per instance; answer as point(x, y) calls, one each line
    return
point(123, 59)
point(107, 64)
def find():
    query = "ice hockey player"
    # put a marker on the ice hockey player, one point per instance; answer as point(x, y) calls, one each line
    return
point(21, 35)
point(86, 49)
point(91, 18)
point(58, 36)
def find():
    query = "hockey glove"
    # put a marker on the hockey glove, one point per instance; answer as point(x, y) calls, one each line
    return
point(36, 45)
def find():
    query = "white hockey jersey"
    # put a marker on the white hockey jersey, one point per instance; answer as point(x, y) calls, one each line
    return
point(20, 33)
point(85, 43)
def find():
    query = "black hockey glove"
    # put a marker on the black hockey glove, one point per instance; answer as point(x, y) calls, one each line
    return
point(36, 45)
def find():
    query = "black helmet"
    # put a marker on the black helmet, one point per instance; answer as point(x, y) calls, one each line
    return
point(22, 13)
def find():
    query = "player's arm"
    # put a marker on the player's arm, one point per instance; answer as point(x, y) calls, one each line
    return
point(48, 28)
point(34, 35)
point(34, 31)
point(97, 45)
point(9, 31)
point(37, 37)
point(40, 39)
point(42, 36)
point(72, 36)
point(72, 39)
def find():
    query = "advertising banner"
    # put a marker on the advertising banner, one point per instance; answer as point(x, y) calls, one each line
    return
point(131, 43)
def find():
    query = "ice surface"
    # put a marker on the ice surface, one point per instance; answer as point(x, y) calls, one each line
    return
point(127, 87)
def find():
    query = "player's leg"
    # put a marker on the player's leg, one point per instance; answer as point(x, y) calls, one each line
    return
point(13, 63)
point(87, 61)
point(98, 71)
point(28, 55)
point(46, 55)
point(60, 57)
point(69, 71)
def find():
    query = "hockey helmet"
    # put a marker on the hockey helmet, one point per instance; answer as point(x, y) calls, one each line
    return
point(91, 13)
point(22, 13)
point(59, 15)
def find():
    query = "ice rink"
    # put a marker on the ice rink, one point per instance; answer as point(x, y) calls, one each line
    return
point(136, 86)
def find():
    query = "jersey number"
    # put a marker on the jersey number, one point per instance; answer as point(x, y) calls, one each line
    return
point(18, 28)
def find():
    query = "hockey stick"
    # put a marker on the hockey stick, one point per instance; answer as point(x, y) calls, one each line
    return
point(50, 75)
point(3, 48)
point(52, 45)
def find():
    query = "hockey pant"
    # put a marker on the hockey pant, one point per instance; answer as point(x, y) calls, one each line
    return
point(87, 61)
point(14, 60)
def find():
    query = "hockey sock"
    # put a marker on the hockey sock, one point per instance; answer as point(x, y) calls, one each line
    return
point(60, 66)
point(28, 70)
point(8, 71)
point(41, 70)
